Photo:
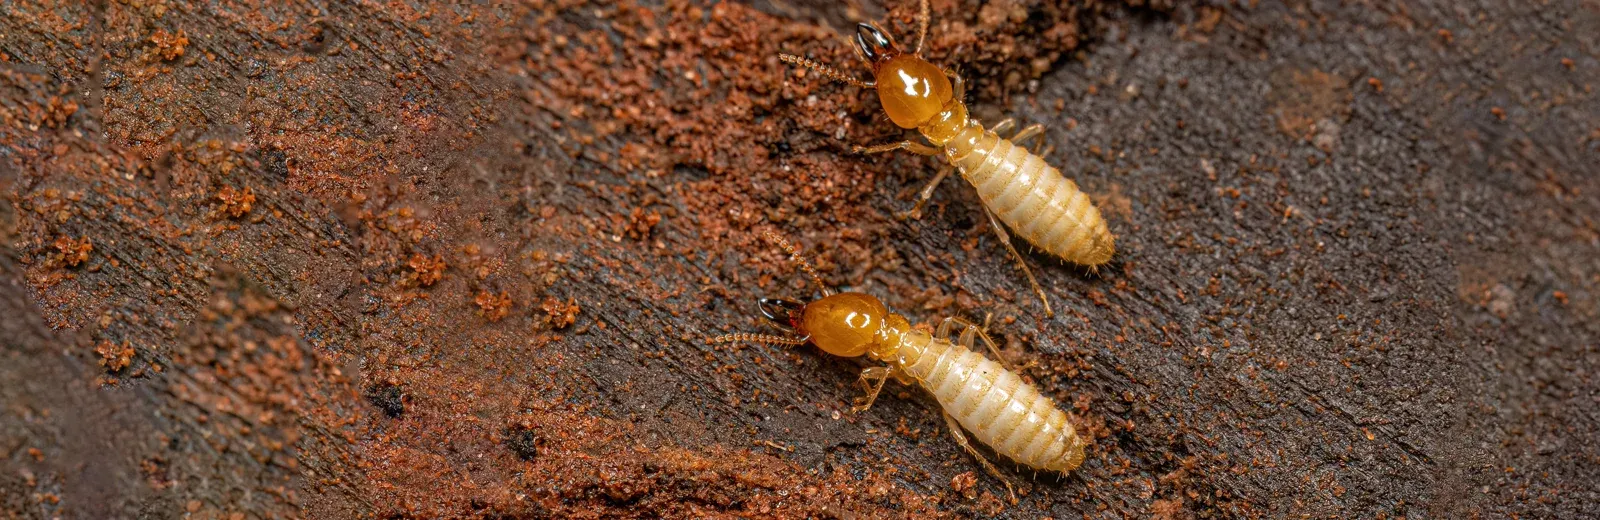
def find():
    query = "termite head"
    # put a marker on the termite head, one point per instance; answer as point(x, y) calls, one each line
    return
point(844, 324)
point(911, 89)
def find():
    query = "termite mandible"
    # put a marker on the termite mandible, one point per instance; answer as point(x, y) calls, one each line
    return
point(1016, 185)
point(976, 393)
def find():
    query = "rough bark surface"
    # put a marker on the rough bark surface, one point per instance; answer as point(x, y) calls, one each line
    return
point(363, 259)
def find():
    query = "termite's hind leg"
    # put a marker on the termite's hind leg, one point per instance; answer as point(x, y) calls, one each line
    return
point(913, 147)
point(961, 439)
point(872, 380)
point(922, 197)
point(1005, 240)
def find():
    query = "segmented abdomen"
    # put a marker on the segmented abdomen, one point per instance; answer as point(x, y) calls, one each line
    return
point(1032, 198)
point(999, 408)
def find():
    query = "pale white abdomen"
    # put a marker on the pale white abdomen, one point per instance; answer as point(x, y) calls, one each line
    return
point(1031, 197)
point(1000, 409)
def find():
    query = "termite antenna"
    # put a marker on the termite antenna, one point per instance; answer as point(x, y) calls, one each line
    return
point(825, 70)
point(922, 26)
point(759, 338)
point(794, 256)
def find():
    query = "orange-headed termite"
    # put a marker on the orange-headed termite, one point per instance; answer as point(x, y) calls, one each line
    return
point(1016, 185)
point(977, 393)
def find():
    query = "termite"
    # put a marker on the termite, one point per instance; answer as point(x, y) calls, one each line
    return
point(1016, 185)
point(976, 393)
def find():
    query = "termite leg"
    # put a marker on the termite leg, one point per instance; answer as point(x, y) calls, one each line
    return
point(872, 380)
point(922, 197)
point(913, 147)
point(949, 324)
point(961, 439)
point(971, 332)
point(1039, 147)
point(1003, 127)
point(1033, 130)
point(1005, 239)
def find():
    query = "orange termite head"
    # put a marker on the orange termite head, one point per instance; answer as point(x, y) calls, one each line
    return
point(911, 89)
point(844, 324)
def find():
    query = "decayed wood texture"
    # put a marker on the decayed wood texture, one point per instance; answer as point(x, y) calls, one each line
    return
point(348, 259)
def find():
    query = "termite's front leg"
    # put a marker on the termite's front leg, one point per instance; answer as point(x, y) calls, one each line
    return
point(916, 148)
point(872, 380)
point(910, 146)
point(922, 197)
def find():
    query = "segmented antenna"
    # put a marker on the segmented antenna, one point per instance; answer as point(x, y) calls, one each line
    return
point(759, 338)
point(794, 256)
point(825, 70)
point(922, 26)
